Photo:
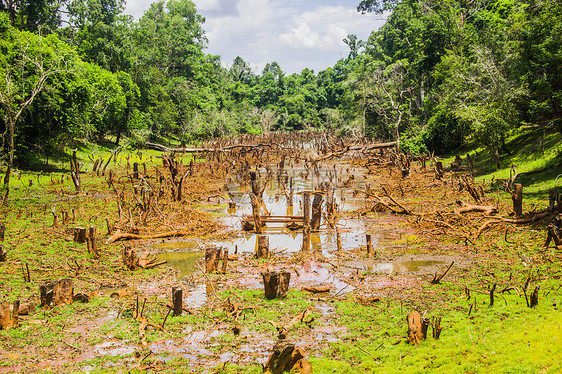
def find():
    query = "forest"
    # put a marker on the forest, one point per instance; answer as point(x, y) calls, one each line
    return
point(162, 210)
point(438, 74)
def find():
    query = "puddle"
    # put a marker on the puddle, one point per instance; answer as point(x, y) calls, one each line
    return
point(319, 274)
point(300, 179)
point(401, 266)
point(282, 240)
point(185, 262)
point(175, 245)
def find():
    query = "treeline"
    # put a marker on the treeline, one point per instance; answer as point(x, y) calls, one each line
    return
point(437, 73)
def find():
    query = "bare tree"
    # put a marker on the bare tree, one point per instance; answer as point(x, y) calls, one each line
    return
point(390, 94)
point(20, 83)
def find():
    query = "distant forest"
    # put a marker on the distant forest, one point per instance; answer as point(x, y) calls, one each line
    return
point(439, 73)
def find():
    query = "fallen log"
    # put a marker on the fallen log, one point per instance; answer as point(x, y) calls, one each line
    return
point(118, 235)
point(163, 148)
point(467, 208)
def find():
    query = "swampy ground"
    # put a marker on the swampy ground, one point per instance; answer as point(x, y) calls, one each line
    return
point(228, 326)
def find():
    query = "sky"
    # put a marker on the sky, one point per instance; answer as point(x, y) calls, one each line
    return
point(297, 34)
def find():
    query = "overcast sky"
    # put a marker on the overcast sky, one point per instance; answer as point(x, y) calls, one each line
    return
point(297, 34)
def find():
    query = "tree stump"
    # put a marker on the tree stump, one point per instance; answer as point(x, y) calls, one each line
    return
point(136, 170)
point(338, 239)
point(9, 316)
point(283, 358)
point(212, 257)
point(129, 258)
point(56, 293)
point(369, 245)
point(535, 297)
point(276, 284)
point(316, 212)
point(306, 239)
point(46, 291)
point(439, 171)
point(80, 234)
point(415, 334)
point(306, 208)
point(517, 197)
point(63, 292)
point(552, 199)
point(263, 247)
point(177, 301)
point(436, 325)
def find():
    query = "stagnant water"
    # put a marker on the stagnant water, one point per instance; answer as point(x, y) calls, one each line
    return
point(282, 241)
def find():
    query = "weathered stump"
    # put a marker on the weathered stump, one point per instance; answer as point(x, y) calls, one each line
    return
point(439, 171)
point(552, 200)
point(316, 212)
point(517, 197)
point(9, 318)
point(136, 170)
point(283, 358)
point(63, 292)
point(306, 239)
point(262, 250)
point(306, 208)
point(338, 240)
point(436, 325)
point(80, 234)
point(212, 257)
point(224, 261)
point(56, 293)
point(177, 301)
point(129, 258)
point(415, 334)
point(369, 245)
point(276, 284)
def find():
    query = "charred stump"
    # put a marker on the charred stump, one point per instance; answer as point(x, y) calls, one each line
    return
point(276, 284)
point(177, 301)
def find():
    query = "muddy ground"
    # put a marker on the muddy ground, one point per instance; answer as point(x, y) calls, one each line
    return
point(409, 250)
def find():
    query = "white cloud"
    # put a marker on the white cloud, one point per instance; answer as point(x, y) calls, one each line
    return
point(325, 28)
point(295, 33)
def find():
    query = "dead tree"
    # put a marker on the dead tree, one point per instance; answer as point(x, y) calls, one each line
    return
point(177, 301)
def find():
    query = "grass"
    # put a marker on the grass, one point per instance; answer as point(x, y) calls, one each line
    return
point(508, 337)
